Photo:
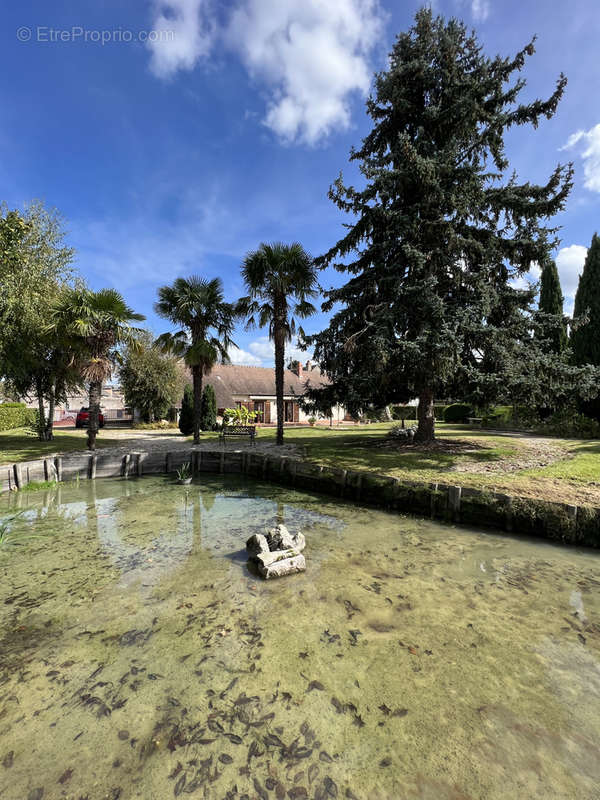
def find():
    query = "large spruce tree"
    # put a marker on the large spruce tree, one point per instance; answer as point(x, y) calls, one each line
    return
point(439, 232)
point(585, 337)
point(551, 307)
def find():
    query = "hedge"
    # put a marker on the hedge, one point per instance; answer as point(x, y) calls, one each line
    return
point(15, 415)
point(457, 412)
point(410, 412)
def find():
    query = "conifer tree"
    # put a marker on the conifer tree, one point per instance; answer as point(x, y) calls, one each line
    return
point(186, 416)
point(440, 228)
point(208, 409)
point(585, 337)
point(551, 304)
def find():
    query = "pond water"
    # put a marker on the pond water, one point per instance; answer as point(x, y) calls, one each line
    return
point(139, 658)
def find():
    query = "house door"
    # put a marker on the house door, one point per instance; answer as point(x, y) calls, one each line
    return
point(288, 411)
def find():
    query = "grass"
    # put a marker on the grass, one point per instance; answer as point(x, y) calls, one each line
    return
point(480, 460)
point(565, 470)
point(18, 445)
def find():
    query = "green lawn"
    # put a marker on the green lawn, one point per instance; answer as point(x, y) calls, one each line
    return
point(18, 445)
point(566, 470)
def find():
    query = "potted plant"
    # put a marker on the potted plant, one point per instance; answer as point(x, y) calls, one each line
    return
point(184, 474)
point(311, 421)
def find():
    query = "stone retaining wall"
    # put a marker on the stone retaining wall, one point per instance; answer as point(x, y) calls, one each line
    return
point(567, 523)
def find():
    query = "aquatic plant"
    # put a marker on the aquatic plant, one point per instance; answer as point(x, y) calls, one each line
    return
point(184, 472)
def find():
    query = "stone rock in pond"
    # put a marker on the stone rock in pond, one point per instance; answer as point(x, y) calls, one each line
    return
point(279, 538)
point(286, 566)
point(257, 544)
point(266, 559)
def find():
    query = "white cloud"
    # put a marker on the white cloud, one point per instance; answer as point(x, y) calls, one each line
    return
point(264, 350)
point(480, 10)
point(313, 55)
point(184, 35)
point(590, 155)
point(243, 357)
point(569, 262)
point(532, 276)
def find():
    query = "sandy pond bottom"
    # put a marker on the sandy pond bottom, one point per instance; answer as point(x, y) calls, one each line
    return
point(140, 659)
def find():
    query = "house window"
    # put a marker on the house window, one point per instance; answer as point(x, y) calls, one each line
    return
point(259, 407)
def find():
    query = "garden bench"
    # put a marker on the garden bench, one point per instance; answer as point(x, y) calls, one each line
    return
point(476, 422)
point(239, 430)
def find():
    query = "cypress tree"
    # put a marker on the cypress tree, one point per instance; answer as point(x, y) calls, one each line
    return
point(186, 417)
point(441, 226)
point(208, 409)
point(551, 304)
point(585, 337)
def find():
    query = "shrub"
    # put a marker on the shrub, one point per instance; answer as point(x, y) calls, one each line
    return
point(15, 415)
point(159, 425)
point(186, 417)
point(458, 412)
point(240, 415)
point(498, 416)
point(208, 409)
point(404, 412)
point(570, 423)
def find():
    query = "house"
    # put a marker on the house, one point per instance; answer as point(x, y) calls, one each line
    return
point(254, 387)
point(112, 405)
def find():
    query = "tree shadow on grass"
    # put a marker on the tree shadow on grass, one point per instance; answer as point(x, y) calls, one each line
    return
point(383, 454)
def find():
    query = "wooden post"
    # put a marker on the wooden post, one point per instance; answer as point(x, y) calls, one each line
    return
point(126, 462)
point(93, 463)
point(508, 517)
point(343, 483)
point(18, 476)
point(58, 463)
point(434, 500)
point(454, 493)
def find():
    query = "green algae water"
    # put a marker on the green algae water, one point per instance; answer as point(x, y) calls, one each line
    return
point(139, 658)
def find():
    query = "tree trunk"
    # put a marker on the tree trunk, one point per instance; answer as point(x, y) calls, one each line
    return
point(279, 337)
point(50, 417)
point(41, 432)
point(197, 381)
point(426, 427)
point(94, 414)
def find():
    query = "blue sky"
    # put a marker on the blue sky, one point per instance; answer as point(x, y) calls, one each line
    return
point(177, 156)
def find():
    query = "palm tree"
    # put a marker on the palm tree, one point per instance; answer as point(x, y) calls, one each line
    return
point(93, 325)
point(280, 280)
point(206, 321)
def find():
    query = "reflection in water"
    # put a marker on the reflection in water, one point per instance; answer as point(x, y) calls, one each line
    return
point(140, 659)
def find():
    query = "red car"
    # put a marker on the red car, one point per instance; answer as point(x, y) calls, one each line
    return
point(83, 418)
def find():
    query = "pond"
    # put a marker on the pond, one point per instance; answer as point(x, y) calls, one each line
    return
point(139, 658)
